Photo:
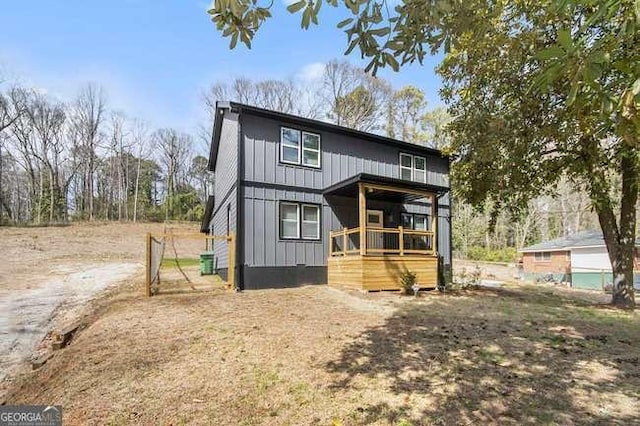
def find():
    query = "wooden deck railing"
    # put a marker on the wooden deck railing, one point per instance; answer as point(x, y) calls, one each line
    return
point(382, 241)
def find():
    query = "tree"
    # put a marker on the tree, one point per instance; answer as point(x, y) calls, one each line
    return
point(279, 95)
point(407, 109)
point(435, 123)
point(353, 98)
point(88, 114)
point(538, 90)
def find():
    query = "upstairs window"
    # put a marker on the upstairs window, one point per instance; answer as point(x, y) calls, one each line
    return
point(413, 167)
point(299, 147)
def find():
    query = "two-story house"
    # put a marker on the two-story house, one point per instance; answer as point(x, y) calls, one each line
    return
point(315, 203)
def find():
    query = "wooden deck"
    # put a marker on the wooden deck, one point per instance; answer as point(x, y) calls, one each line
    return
point(375, 273)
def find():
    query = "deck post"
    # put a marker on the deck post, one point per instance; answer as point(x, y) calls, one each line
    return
point(401, 240)
point(362, 210)
point(344, 241)
point(330, 243)
point(434, 223)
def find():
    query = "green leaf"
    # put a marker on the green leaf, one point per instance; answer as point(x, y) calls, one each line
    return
point(345, 22)
point(306, 18)
point(573, 93)
point(635, 89)
point(389, 59)
point(234, 41)
point(564, 38)
point(380, 32)
point(550, 53)
point(296, 7)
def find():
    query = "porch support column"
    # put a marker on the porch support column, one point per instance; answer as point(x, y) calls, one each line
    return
point(434, 221)
point(362, 213)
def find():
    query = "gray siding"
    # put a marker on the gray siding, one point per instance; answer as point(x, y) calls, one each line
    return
point(219, 227)
point(262, 243)
point(225, 189)
point(226, 167)
point(342, 157)
point(267, 181)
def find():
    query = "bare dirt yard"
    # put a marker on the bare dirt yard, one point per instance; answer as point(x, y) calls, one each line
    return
point(316, 355)
point(50, 277)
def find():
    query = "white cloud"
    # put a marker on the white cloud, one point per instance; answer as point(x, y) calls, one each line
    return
point(311, 72)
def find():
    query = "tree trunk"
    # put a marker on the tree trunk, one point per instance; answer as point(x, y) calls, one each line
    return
point(620, 238)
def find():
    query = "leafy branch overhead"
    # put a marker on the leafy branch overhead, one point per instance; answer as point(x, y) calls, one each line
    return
point(388, 36)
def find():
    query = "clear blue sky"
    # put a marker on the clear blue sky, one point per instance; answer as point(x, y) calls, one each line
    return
point(155, 58)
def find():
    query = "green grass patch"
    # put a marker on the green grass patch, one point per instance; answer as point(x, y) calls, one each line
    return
point(171, 262)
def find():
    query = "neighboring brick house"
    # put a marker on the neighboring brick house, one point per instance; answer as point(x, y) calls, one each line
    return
point(580, 259)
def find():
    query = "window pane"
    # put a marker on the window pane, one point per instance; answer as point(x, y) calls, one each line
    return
point(420, 222)
point(419, 163)
point(289, 212)
point(405, 174)
point(420, 176)
point(311, 141)
point(405, 160)
point(290, 154)
point(310, 213)
point(289, 229)
point(407, 221)
point(311, 158)
point(310, 230)
point(374, 219)
point(290, 137)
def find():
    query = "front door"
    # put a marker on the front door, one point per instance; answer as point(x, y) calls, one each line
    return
point(375, 240)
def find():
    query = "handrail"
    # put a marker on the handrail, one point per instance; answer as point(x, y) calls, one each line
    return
point(382, 241)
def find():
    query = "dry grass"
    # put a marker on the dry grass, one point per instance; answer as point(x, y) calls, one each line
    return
point(315, 355)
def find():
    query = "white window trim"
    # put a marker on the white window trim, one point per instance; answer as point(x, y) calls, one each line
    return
point(282, 219)
point(416, 170)
point(302, 221)
point(410, 168)
point(283, 144)
point(300, 147)
point(413, 169)
point(426, 222)
point(319, 150)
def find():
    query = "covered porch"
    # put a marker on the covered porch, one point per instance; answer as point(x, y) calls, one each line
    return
point(389, 227)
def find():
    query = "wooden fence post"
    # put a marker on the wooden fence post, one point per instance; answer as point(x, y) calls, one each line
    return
point(231, 268)
point(401, 240)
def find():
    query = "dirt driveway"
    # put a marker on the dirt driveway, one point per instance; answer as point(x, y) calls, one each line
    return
point(48, 276)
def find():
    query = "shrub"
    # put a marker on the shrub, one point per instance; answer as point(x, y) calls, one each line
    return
point(407, 280)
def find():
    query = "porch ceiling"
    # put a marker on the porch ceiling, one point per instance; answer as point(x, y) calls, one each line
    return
point(384, 188)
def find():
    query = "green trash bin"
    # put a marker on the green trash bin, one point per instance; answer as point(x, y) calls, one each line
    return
point(206, 263)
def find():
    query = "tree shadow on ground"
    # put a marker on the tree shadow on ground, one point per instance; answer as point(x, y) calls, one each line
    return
point(508, 357)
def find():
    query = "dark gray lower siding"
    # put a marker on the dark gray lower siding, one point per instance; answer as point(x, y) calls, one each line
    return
point(223, 273)
point(258, 277)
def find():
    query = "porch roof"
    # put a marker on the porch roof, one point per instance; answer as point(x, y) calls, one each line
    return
point(387, 188)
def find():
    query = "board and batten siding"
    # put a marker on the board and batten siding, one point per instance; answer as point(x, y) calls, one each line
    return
point(342, 157)
point(262, 243)
point(225, 190)
point(266, 182)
